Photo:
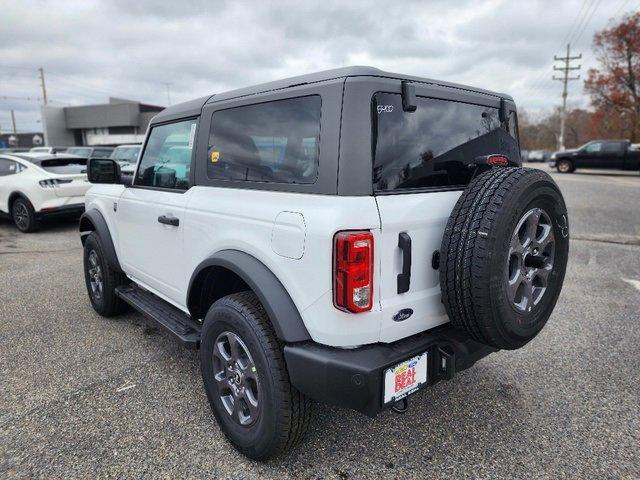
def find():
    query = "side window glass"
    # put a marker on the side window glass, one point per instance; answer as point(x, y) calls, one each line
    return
point(166, 161)
point(267, 142)
point(594, 147)
point(513, 124)
point(8, 167)
point(612, 148)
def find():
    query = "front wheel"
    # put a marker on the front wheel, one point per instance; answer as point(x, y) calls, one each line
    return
point(246, 379)
point(101, 280)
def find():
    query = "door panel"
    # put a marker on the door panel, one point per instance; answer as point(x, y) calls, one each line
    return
point(151, 251)
point(150, 214)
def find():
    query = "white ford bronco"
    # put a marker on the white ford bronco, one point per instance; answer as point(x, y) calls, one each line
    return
point(347, 237)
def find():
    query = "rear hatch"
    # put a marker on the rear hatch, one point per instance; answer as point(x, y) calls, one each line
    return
point(421, 163)
point(70, 175)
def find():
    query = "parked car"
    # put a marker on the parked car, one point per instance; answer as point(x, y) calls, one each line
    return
point(34, 186)
point(612, 154)
point(86, 152)
point(126, 154)
point(538, 156)
point(352, 267)
point(50, 150)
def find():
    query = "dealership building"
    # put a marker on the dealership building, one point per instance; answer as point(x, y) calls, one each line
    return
point(114, 123)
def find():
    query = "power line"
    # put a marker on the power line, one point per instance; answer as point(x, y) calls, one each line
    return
point(26, 99)
point(622, 5)
point(565, 69)
point(586, 24)
point(539, 82)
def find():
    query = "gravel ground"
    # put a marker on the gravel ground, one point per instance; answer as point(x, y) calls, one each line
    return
point(566, 405)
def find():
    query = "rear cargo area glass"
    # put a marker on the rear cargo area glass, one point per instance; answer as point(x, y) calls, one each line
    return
point(433, 146)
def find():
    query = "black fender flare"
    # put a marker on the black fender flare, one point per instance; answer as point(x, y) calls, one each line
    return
point(283, 313)
point(95, 218)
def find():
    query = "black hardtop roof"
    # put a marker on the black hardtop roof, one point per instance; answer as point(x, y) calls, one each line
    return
point(193, 107)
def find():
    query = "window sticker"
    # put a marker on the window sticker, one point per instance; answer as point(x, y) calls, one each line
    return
point(215, 156)
point(192, 135)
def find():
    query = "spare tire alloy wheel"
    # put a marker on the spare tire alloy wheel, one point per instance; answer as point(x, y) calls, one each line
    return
point(504, 255)
point(237, 378)
point(531, 255)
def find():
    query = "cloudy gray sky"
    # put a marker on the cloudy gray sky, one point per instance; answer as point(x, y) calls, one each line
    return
point(91, 50)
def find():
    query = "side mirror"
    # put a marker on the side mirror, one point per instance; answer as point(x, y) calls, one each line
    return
point(103, 170)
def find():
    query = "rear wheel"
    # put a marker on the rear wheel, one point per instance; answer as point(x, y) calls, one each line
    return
point(23, 215)
point(504, 255)
point(246, 379)
point(565, 166)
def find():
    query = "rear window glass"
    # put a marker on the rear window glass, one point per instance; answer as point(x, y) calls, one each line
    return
point(65, 166)
point(268, 142)
point(83, 152)
point(433, 146)
point(101, 153)
point(125, 154)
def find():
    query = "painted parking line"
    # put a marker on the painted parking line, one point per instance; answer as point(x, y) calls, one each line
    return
point(634, 283)
point(125, 387)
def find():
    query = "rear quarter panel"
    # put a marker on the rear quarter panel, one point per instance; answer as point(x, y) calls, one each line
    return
point(224, 218)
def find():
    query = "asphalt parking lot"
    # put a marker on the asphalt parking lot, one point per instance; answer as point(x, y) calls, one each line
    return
point(86, 397)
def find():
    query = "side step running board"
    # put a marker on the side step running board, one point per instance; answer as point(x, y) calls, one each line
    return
point(171, 318)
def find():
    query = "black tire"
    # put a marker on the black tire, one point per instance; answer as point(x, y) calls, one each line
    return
point(104, 299)
point(565, 166)
point(282, 413)
point(483, 293)
point(23, 215)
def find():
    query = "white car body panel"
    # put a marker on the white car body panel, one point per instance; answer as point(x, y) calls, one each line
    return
point(161, 258)
point(224, 218)
point(27, 184)
point(424, 217)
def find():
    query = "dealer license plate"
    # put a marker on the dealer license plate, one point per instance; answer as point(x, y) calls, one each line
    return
point(405, 378)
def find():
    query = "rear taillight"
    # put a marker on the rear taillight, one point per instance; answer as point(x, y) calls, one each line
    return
point(54, 182)
point(498, 160)
point(353, 271)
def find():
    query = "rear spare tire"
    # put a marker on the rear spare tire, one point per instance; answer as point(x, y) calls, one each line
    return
point(504, 255)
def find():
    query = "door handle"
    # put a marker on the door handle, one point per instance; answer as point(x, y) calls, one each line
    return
point(404, 278)
point(173, 221)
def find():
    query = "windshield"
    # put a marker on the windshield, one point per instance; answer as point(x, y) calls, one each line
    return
point(125, 154)
point(434, 146)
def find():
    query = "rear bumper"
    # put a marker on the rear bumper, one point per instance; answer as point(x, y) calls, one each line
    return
point(354, 378)
point(63, 210)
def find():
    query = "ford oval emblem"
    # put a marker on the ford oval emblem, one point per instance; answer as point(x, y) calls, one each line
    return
point(402, 315)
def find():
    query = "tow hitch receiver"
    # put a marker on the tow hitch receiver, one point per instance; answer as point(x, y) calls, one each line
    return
point(445, 362)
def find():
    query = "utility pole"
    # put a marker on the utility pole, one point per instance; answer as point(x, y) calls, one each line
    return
point(44, 87)
point(565, 79)
point(13, 120)
point(168, 85)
